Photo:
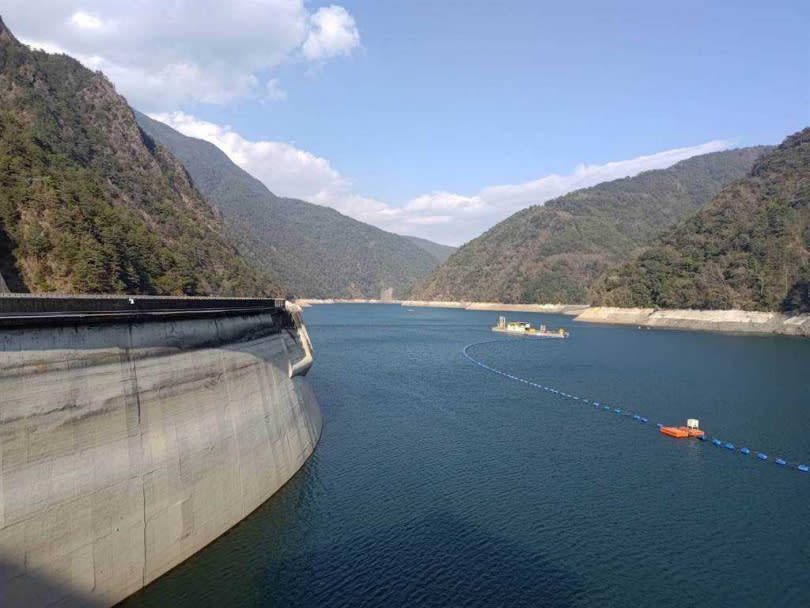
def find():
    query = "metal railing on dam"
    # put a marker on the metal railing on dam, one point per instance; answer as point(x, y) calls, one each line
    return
point(135, 430)
point(21, 310)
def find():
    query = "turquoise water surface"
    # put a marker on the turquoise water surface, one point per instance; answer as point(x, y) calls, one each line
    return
point(439, 483)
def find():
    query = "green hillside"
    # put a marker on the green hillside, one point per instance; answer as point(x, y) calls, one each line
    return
point(438, 251)
point(554, 252)
point(88, 202)
point(313, 250)
point(749, 248)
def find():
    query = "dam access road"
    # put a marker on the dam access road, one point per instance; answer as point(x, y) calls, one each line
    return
point(135, 431)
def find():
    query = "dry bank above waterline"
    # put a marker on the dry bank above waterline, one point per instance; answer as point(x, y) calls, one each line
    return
point(731, 321)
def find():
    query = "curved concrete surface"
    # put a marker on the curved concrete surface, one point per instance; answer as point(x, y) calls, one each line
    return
point(126, 447)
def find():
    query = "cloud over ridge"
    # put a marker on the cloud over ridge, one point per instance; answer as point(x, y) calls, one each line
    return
point(445, 217)
point(162, 55)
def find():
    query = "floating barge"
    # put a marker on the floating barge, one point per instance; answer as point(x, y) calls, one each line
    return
point(521, 328)
point(692, 429)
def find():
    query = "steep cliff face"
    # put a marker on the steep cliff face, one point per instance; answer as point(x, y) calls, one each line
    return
point(88, 202)
point(554, 252)
point(749, 248)
point(125, 448)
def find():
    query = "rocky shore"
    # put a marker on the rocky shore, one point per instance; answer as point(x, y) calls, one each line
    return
point(736, 321)
point(731, 321)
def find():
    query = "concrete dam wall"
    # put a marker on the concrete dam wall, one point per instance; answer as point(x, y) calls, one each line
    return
point(130, 439)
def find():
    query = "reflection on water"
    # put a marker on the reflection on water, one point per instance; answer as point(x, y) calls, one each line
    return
point(437, 483)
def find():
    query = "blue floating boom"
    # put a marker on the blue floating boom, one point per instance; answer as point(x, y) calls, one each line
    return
point(729, 446)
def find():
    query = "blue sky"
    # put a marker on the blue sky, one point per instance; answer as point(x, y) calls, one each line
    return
point(441, 118)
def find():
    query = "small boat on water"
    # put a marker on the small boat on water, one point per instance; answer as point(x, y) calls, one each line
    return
point(692, 429)
point(522, 328)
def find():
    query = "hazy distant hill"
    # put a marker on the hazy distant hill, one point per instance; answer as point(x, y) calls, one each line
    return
point(313, 250)
point(88, 203)
point(554, 252)
point(748, 248)
point(438, 251)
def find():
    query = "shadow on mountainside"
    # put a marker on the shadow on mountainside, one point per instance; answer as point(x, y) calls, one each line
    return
point(8, 264)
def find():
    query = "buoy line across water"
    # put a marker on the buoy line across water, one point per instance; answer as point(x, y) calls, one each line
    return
point(630, 415)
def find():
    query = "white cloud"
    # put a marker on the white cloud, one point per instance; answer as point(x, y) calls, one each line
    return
point(333, 32)
point(445, 217)
point(583, 176)
point(438, 201)
point(283, 168)
point(161, 54)
point(274, 90)
point(465, 217)
point(85, 21)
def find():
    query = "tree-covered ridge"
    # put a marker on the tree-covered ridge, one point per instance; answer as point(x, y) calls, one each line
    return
point(88, 202)
point(554, 252)
point(437, 250)
point(313, 250)
point(749, 248)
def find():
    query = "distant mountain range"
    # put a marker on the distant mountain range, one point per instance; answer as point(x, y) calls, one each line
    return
point(97, 198)
point(89, 203)
point(440, 252)
point(314, 251)
point(749, 248)
point(553, 253)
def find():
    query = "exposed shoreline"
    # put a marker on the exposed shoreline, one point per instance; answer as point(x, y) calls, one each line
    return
point(726, 321)
point(730, 321)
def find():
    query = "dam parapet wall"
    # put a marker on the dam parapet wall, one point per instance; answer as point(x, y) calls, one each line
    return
point(133, 432)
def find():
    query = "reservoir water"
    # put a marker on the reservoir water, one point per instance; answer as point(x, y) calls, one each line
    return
point(438, 483)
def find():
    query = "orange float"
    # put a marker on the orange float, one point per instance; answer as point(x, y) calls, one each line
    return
point(674, 431)
point(692, 429)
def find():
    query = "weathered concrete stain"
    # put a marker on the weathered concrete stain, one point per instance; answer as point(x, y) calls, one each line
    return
point(127, 447)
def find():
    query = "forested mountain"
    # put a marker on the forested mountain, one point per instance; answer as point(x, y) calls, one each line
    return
point(88, 202)
point(438, 251)
point(749, 248)
point(313, 250)
point(554, 252)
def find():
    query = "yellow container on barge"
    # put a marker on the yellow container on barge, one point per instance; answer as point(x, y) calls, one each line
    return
point(522, 328)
